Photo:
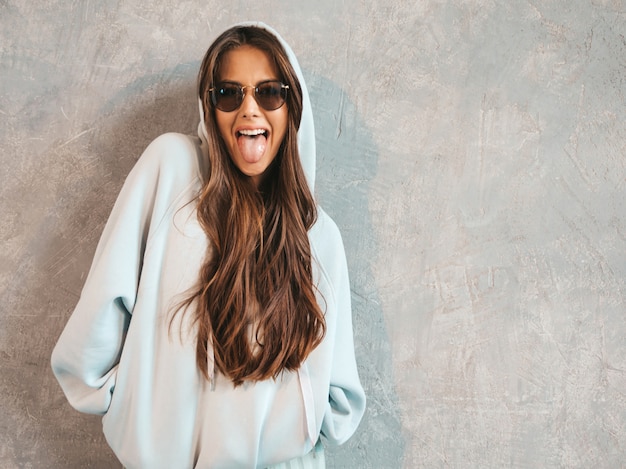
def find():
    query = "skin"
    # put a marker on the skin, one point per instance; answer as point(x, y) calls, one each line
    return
point(249, 66)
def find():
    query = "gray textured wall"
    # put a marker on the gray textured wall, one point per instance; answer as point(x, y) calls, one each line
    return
point(472, 152)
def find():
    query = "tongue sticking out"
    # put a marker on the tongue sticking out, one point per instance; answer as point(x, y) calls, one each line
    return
point(252, 147)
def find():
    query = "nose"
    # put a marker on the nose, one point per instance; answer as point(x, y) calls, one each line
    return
point(249, 106)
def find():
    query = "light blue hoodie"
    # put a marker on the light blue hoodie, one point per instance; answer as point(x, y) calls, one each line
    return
point(117, 356)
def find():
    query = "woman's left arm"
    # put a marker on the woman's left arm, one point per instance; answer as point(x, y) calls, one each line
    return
point(346, 398)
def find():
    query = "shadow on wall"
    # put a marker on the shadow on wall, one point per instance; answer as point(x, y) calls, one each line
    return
point(347, 160)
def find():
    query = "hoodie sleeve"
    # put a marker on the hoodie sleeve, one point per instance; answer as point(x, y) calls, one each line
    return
point(346, 398)
point(86, 355)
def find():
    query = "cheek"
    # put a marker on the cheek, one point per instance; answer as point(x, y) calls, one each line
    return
point(223, 125)
point(281, 125)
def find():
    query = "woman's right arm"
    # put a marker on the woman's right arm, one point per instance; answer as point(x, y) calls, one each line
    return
point(86, 355)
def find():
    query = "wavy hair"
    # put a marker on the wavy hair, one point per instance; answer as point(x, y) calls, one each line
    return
point(255, 301)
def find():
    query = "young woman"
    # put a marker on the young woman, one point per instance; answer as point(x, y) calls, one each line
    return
point(214, 329)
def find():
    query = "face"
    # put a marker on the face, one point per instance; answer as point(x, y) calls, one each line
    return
point(252, 134)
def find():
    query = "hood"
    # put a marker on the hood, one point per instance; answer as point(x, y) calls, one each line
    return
point(306, 133)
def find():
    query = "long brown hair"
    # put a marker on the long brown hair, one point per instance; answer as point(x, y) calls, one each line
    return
point(256, 302)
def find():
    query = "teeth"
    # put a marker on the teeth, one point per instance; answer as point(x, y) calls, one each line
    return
point(252, 132)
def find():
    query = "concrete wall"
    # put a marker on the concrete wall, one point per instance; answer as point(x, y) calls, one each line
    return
point(472, 152)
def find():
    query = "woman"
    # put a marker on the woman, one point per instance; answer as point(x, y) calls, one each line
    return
point(214, 328)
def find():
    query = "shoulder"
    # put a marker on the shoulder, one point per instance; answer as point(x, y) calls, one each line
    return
point(327, 245)
point(324, 234)
point(166, 176)
point(172, 157)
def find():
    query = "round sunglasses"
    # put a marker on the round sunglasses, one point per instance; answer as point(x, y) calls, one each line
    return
point(227, 96)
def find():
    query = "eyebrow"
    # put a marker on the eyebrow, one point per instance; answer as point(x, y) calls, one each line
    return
point(226, 80)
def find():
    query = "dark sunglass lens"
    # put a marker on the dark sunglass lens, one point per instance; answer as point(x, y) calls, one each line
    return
point(270, 95)
point(227, 97)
